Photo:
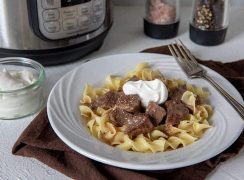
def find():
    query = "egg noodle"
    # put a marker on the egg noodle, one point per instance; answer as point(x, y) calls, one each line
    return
point(188, 131)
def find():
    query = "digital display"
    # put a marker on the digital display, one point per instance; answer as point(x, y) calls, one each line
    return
point(65, 3)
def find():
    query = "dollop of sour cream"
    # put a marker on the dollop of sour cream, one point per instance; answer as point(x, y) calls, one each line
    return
point(154, 90)
point(13, 80)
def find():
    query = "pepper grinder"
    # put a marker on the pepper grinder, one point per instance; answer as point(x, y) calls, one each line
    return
point(162, 18)
point(209, 21)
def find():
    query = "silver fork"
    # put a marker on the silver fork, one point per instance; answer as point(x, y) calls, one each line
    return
point(192, 69)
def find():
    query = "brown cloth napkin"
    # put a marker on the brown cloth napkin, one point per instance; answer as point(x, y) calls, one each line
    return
point(39, 141)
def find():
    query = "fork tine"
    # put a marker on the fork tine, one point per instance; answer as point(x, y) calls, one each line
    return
point(180, 48)
point(182, 65)
point(188, 52)
point(174, 54)
point(177, 52)
point(184, 53)
point(171, 50)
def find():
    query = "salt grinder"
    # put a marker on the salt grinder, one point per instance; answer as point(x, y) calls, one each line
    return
point(162, 18)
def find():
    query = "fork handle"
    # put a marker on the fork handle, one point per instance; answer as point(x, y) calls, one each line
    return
point(236, 105)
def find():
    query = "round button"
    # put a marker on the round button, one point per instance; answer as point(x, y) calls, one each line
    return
point(69, 12)
point(98, 5)
point(84, 9)
point(70, 24)
point(52, 27)
point(50, 4)
point(50, 15)
point(84, 22)
point(97, 17)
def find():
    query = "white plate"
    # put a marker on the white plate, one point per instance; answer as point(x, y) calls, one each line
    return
point(63, 113)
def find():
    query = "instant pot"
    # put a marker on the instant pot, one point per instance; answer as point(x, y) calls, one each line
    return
point(53, 31)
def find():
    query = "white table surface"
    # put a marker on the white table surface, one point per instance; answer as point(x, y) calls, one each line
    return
point(125, 36)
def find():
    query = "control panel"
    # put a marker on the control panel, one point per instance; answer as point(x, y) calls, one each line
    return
point(59, 19)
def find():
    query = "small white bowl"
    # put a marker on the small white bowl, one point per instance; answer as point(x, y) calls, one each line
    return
point(24, 101)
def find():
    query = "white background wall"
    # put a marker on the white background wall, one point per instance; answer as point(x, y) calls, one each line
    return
point(183, 2)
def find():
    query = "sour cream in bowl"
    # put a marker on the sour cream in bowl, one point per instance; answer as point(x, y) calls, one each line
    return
point(21, 87)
